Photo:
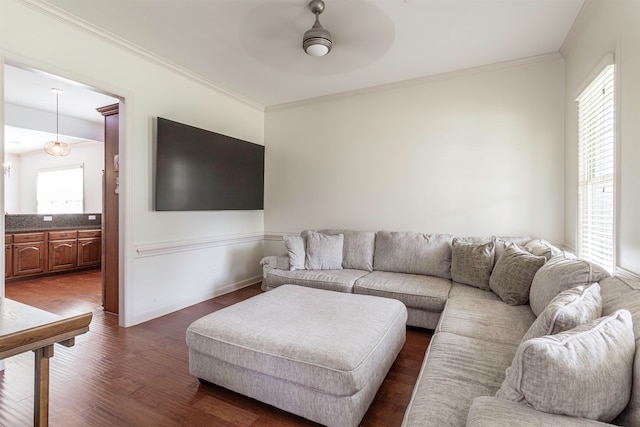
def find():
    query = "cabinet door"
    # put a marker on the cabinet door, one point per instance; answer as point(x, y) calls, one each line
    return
point(28, 258)
point(63, 254)
point(89, 251)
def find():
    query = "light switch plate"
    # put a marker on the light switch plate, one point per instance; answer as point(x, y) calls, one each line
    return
point(47, 218)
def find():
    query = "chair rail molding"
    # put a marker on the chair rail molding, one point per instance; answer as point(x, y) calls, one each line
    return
point(164, 248)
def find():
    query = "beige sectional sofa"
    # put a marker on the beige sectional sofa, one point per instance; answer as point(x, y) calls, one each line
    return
point(513, 317)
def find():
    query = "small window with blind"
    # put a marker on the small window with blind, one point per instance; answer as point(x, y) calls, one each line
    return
point(60, 190)
point(596, 169)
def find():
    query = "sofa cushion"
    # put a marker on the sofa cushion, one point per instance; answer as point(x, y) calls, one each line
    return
point(567, 310)
point(413, 253)
point(331, 280)
point(560, 273)
point(541, 247)
point(296, 252)
point(622, 292)
point(494, 321)
point(585, 372)
point(323, 252)
point(415, 291)
point(512, 276)
point(455, 371)
point(471, 263)
point(492, 412)
point(460, 290)
point(357, 252)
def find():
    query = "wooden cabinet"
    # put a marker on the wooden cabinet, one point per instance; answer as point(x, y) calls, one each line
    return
point(89, 248)
point(28, 254)
point(63, 250)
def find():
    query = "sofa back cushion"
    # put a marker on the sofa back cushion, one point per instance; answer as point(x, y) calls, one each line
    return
point(358, 248)
point(502, 242)
point(618, 292)
point(541, 247)
point(560, 273)
point(413, 253)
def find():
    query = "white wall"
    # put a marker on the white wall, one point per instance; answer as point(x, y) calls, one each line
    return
point(604, 27)
point(477, 152)
point(12, 184)
point(90, 154)
point(223, 248)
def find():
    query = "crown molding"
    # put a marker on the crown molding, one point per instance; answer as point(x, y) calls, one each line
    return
point(62, 16)
point(538, 59)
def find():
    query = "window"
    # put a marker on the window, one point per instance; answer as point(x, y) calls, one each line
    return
point(60, 190)
point(596, 170)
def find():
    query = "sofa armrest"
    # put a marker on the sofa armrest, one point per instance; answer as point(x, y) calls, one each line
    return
point(268, 263)
point(493, 412)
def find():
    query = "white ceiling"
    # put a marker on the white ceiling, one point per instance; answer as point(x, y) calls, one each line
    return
point(253, 47)
point(33, 89)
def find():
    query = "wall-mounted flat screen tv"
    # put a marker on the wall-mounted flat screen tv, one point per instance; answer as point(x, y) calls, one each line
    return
point(198, 169)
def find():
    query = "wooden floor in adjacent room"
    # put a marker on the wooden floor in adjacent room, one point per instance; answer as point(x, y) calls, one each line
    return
point(139, 376)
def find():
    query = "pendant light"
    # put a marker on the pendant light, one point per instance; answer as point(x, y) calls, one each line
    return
point(57, 147)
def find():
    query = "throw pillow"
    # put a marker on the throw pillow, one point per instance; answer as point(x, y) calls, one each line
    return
point(471, 263)
point(324, 252)
point(513, 274)
point(560, 273)
point(543, 248)
point(567, 310)
point(295, 248)
point(585, 372)
point(358, 248)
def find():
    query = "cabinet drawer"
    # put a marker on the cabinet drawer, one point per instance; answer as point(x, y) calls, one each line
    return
point(28, 237)
point(89, 233)
point(8, 238)
point(62, 235)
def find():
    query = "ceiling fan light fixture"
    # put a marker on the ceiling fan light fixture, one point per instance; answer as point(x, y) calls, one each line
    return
point(57, 147)
point(317, 40)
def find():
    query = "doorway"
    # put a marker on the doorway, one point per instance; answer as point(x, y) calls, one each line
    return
point(31, 121)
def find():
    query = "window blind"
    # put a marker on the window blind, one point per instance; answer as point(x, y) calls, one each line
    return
point(596, 169)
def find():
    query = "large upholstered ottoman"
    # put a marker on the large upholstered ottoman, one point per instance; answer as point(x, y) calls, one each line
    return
point(315, 353)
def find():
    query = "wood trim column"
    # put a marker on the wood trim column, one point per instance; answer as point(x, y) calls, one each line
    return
point(110, 224)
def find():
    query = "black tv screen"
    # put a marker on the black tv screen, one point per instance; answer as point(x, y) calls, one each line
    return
point(201, 170)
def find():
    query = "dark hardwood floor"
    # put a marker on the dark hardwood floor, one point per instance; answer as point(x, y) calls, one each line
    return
point(139, 376)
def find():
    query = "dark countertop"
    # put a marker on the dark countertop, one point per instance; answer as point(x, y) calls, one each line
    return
point(36, 230)
point(25, 223)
